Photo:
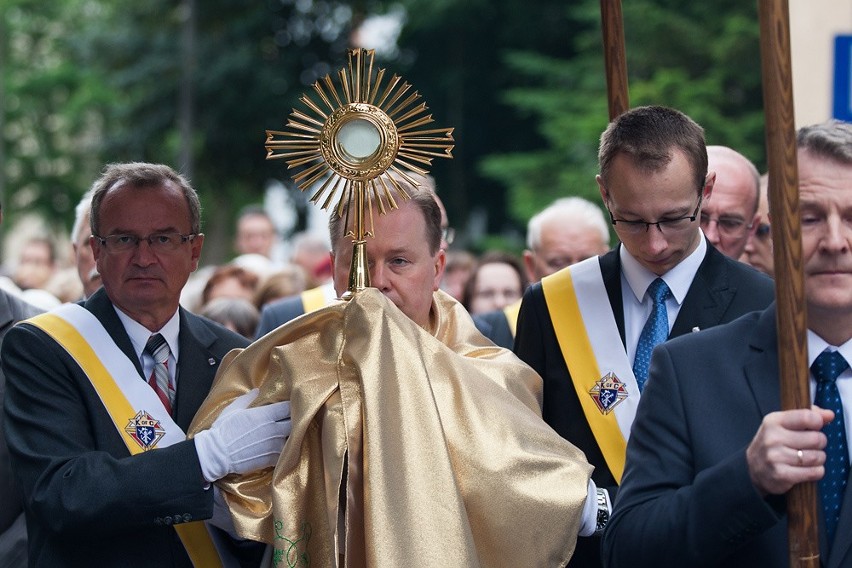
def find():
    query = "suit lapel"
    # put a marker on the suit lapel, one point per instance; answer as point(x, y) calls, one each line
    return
point(709, 295)
point(761, 369)
point(841, 550)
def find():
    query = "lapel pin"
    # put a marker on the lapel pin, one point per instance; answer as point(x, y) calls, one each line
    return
point(212, 361)
point(696, 328)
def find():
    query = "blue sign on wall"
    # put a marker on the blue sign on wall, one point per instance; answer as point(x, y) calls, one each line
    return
point(842, 78)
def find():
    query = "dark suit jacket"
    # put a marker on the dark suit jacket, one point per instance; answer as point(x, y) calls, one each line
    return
point(88, 503)
point(686, 497)
point(495, 327)
point(279, 312)
point(13, 530)
point(722, 290)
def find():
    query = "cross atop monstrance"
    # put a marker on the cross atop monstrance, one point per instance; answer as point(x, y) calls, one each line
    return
point(360, 140)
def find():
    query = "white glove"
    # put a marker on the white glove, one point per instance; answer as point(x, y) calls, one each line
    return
point(243, 439)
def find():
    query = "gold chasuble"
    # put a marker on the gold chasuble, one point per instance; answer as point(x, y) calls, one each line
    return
point(422, 447)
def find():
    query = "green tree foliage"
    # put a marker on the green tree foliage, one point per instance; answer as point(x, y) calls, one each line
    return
point(454, 52)
point(49, 134)
point(240, 73)
point(702, 58)
point(94, 81)
point(86, 82)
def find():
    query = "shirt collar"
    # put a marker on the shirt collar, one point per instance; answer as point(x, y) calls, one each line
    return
point(817, 345)
point(678, 279)
point(139, 334)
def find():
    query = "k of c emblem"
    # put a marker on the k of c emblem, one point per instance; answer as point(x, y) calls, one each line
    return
point(145, 429)
point(608, 392)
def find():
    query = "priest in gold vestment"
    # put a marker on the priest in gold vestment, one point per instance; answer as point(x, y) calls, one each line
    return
point(415, 440)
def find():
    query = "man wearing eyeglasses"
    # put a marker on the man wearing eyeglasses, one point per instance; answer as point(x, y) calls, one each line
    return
point(99, 396)
point(588, 329)
point(730, 216)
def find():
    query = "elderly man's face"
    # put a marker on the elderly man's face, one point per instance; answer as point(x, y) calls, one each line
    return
point(728, 218)
point(562, 245)
point(825, 203)
point(143, 282)
point(401, 265)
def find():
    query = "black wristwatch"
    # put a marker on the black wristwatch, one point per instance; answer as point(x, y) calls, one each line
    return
point(603, 511)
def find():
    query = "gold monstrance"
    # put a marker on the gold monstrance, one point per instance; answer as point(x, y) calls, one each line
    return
point(354, 143)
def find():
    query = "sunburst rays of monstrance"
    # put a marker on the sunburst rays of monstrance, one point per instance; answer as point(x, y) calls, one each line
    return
point(357, 142)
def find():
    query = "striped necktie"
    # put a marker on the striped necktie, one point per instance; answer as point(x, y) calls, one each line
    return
point(826, 368)
point(158, 349)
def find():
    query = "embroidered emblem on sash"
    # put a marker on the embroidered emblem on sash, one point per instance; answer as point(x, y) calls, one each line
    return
point(145, 429)
point(608, 392)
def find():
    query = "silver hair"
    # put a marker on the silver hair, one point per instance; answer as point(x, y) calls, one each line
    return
point(569, 210)
point(831, 139)
point(141, 174)
point(81, 213)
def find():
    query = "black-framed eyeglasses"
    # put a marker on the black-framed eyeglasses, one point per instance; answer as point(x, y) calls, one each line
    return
point(163, 242)
point(663, 225)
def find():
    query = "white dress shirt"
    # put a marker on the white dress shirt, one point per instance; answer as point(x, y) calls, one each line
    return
point(139, 335)
point(635, 280)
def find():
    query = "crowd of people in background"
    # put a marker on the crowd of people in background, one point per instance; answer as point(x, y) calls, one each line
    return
point(569, 230)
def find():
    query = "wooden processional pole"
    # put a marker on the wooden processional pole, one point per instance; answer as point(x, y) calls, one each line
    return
point(615, 58)
point(789, 277)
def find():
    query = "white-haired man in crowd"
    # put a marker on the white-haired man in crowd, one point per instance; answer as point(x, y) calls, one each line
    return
point(567, 231)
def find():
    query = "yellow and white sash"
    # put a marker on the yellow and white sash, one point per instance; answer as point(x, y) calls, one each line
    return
point(589, 340)
point(138, 414)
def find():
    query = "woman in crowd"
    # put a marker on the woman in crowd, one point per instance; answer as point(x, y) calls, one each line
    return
point(497, 281)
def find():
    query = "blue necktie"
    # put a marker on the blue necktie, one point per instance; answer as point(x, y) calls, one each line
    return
point(656, 331)
point(825, 370)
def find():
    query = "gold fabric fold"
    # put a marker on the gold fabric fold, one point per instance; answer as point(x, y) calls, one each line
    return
point(432, 438)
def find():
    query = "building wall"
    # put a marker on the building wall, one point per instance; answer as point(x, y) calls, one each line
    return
point(813, 27)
